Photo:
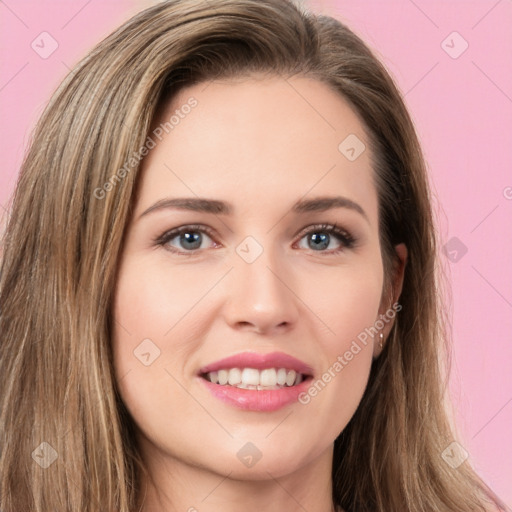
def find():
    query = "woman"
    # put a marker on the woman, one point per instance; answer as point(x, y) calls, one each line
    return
point(218, 284)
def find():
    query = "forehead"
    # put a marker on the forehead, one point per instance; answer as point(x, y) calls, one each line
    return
point(259, 138)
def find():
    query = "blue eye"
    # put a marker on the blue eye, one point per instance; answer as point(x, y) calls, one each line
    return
point(321, 236)
point(187, 239)
point(192, 239)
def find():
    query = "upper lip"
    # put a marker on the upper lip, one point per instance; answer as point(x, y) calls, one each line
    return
point(259, 362)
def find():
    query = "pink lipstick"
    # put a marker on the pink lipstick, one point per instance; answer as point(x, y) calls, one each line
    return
point(257, 382)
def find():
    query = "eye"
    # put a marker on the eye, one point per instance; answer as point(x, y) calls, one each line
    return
point(186, 239)
point(191, 239)
point(324, 236)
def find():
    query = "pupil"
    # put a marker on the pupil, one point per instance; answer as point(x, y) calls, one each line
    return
point(192, 239)
point(319, 241)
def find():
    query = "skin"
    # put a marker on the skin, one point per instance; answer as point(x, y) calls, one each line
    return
point(260, 144)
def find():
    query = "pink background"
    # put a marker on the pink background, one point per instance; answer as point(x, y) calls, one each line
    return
point(462, 108)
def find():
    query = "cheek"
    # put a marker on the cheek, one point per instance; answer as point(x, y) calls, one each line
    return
point(150, 298)
point(154, 335)
point(153, 302)
point(148, 311)
point(348, 307)
point(346, 301)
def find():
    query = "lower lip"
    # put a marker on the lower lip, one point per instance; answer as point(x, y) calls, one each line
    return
point(254, 400)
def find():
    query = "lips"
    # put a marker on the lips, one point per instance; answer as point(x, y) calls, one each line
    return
point(257, 382)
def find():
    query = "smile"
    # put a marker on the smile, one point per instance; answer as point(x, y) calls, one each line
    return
point(257, 382)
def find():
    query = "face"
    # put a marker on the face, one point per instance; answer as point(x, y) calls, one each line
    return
point(252, 257)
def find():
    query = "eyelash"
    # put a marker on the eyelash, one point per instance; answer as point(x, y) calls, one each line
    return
point(346, 240)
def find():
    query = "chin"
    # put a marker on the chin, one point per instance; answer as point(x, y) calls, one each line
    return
point(261, 460)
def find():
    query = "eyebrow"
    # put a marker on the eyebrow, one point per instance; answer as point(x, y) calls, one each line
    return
point(197, 204)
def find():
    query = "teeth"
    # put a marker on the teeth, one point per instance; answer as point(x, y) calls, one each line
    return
point(251, 378)
point(281, 376)
point(223, 377)
point(268, 377)
point(235, 377)
point(290, 378)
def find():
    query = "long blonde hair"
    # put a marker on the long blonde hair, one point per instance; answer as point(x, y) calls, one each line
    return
point(65, 234)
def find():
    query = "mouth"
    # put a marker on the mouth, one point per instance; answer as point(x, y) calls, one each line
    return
point(257, 382)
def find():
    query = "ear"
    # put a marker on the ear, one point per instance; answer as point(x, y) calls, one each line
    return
point(386, 311)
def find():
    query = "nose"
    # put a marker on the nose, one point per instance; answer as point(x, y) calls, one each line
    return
point(260, 297)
